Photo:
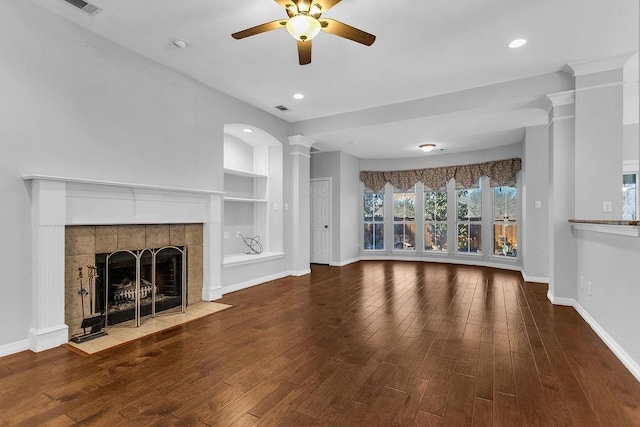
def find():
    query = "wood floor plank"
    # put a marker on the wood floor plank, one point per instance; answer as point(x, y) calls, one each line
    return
point(371, 343)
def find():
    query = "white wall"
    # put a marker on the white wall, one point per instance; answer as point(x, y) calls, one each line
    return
point(610, 263)
point(631, 142)
point(535, 188)
point(350, 202)
point(76, 105)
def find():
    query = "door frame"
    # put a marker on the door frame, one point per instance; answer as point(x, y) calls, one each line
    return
point(311, 181)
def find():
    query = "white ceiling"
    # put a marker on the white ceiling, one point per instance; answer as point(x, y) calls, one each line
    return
point(423, 48)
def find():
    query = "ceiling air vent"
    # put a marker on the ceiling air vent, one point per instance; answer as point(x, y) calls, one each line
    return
point(282, 108)
point(88, 8)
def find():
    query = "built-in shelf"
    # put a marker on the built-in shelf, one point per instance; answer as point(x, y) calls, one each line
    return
point(242, 259)
point(243, 199)
point(238, 172)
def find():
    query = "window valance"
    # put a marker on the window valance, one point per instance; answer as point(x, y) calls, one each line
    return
point(500, 172)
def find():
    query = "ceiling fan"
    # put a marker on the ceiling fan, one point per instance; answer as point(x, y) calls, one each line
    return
point(304, 24)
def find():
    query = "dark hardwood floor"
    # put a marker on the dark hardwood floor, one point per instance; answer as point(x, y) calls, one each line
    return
point(372, 343)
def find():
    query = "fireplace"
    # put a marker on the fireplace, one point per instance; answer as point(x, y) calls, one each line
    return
point(74, 219)
point(133, 285)
point(164, 262)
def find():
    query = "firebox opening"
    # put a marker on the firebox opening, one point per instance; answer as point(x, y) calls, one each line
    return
point(160, 273)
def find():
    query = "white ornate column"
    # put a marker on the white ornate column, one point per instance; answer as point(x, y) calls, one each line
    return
point(599, 138)
point(212, 268)
point(48, 216)
point(562, 258)
point(299, 148)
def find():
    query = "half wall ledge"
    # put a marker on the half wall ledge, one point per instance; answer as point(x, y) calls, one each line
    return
point(619, 227)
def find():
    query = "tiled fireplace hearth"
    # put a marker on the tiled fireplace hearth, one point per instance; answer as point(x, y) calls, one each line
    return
point(85, 212)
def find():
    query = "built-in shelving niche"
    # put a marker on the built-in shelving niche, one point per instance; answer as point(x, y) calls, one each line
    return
point(252, 183)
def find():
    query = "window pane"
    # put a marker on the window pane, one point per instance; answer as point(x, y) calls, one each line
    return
point(470, 204)
point(435, 237)
point(469, 238)
point(373, 236)
point(435, 206)
point(404, 236)
point(504, 203)
point(373, 207)
point(505, 239)
point(404, 207)
point(629, 197)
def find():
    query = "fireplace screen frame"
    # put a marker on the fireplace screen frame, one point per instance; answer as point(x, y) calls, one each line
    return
point(138, 256)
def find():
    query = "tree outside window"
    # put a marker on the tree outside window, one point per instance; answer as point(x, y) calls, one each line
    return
point(505, 228)
point(404, 220)
point(469, 212)
point(373, 221)
point(435, 220)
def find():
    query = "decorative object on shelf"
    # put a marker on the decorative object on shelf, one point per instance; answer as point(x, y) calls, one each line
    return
point(95, 322)
point(253, 243)
point(304, 24)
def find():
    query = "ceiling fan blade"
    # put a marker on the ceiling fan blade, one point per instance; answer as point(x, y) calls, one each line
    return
point(262, 28)
point(348, 32)
point(325, 4)
point(304, 52)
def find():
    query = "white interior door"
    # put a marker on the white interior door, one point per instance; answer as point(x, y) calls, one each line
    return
point(320, 226)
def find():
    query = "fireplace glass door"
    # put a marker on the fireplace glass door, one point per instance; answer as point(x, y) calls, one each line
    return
point(133, 286)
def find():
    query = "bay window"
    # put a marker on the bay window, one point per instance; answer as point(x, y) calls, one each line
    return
point(435, 220)
point(373, 221)
point(505, 228)
point(469, 216)
point(404, 219)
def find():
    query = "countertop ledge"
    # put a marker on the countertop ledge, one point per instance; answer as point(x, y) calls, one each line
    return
point(619, 227)
point(605, 222)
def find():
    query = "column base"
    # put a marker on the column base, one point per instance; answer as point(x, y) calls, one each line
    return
point(44, 339)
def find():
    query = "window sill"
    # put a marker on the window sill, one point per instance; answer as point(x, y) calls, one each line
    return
point(508, 259)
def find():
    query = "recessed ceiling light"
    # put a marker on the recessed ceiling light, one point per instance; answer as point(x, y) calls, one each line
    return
point(427, 147)
point(298, 95)
point(180, 43)
point(247, 130)
point(517, 43)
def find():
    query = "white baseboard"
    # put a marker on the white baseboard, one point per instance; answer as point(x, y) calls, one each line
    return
point(343, 263)
point(300, 273)
point(14, 347)
point(244, 285)
point(561, 301)
point(534, 279)
point(622, 355)
point(443, 259)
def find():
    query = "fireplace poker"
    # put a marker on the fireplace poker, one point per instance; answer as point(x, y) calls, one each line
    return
point(82, 291)
point(91, 273)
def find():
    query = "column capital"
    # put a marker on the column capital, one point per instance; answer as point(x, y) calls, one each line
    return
point(301, 140)
point(567, 97)
point(591, 67)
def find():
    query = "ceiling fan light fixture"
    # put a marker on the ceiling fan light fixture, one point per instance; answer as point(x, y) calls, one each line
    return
point(427, 147)
point(303, 27)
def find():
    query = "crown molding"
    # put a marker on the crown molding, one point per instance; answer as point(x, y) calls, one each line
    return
point(567, 97)
point(598, 66)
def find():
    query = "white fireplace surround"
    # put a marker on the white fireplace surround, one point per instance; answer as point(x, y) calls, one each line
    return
point(57, 202)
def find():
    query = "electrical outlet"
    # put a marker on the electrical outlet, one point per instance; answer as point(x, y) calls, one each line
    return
point(606, 207)
point(590, 288)
point(537, 204)
point(226, 235)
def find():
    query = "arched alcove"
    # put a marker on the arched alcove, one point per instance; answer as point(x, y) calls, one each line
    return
point(254, 194)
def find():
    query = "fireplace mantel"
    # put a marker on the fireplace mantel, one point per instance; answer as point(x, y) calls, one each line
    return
point(59, 201)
